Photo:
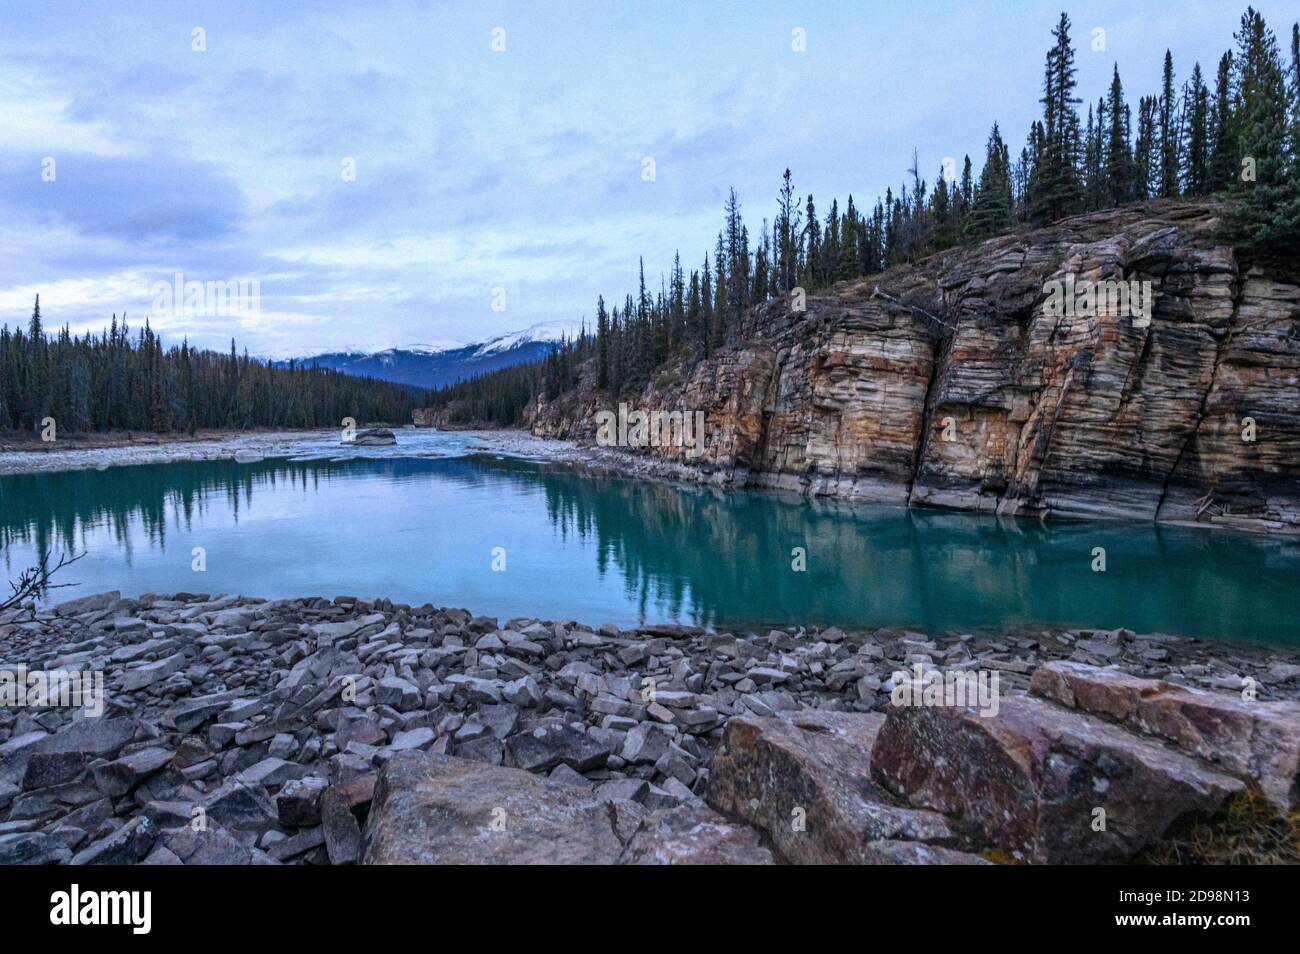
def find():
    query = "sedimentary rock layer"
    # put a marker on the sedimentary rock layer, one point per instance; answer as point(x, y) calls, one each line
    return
point(953, 383)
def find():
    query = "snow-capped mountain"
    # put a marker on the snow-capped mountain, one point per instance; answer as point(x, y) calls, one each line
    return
point(437, 365)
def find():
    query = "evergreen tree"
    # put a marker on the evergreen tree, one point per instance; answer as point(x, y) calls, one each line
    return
point(1120, 186)
point(1056, 192)
point(1169, 132)
point(1223, 154)
point(991, 213)
point(1265, 210)
point(602, 344)
point(1196, 176)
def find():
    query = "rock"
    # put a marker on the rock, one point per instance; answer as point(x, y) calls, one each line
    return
point(806, 781)
point(402, 694)
point(81, 606)
point(546, 747)
point(123, 775)
point(53, 768)
point(33, 848)
point(646, 744)
point(420, 738)
point(242, 807)
point(1029, 778)
point(271, 772)
point(211, 846)
point(127, 845)
point(432, 809)
point(151, 673)
point(372, 437)
point(339, 827)
point(298, 844)
point(298, 802)
point(187, 716)
point(693, 835)
point(1251, 740)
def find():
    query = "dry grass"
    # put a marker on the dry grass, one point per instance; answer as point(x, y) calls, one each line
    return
point(1248, 832)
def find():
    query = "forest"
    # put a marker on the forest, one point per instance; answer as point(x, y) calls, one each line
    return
point(117, 381)
point(1235, 135)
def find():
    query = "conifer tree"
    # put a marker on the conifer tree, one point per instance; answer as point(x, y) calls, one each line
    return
point(1169, 132)
point(602, 344)
point(1266, 208)
point(1056, 193)
point(1196, 176)
point(992, 209)
point(1119, 156)
point(1223, 150)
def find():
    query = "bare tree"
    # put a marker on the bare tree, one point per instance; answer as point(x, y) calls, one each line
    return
point(35, 582)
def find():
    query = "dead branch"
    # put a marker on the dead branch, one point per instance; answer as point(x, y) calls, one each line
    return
point(877, 293)
point(34, 581)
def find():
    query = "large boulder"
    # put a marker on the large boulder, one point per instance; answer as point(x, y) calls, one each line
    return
point(1045, 784)
point(806, 781)
point(437, 809)
point(1252, 740)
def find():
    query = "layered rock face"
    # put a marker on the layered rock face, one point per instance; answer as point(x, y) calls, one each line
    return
point(956, 383)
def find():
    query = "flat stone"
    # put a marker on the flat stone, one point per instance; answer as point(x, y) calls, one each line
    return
point(129, 844)
point(242, 807)
point(33, 848)
point(434, 809)
point(124, 774)
point(1029, 778)
point(1251, 740)
point(694, 835)
point(544, 748)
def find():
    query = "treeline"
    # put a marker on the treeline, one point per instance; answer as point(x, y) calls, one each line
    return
point(116, 381)
point(1240, 139)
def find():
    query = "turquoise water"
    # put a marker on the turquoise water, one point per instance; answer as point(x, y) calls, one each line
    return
point(623, 551)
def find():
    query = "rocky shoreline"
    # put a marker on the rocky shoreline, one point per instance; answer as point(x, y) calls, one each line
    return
point(319, 731)
point(952, 383)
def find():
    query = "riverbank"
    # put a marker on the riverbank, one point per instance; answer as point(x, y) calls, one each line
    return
point(99, 451)
point(331, 731)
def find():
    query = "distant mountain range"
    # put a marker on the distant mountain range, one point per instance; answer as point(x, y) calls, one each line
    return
point(429, 366)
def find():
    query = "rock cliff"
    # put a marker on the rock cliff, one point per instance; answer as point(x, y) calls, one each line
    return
point(954, 383)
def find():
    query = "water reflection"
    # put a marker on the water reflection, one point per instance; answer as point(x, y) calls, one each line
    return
point(596, 548)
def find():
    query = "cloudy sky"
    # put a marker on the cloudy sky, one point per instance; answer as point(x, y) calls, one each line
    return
point(478, 169)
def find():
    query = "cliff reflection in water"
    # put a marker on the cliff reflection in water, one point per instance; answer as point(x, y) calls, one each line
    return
point(603, 549)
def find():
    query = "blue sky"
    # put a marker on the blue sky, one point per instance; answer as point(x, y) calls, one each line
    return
point(479, 170)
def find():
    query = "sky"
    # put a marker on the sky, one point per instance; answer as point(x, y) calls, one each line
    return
point(393, 174)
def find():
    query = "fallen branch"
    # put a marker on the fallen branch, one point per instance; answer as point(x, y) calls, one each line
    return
point(877, 293)
point(35, 580)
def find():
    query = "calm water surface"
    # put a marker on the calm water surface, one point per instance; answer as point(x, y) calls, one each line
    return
point(623, 551)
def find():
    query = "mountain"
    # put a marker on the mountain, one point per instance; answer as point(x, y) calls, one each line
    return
point(434, 366)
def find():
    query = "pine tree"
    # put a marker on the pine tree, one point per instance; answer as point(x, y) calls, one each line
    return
point(1265, 210)
point(602, 344)
point(1169, 132)
point(991, 213)
point(1056, 193)
point(1120, 186)
point(1196, 179)
point(787, 236)
point(1223, 154)
point(718, 331)
point(811, 246)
